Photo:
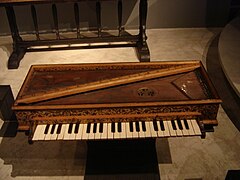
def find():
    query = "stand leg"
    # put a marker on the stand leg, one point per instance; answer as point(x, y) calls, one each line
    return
point(16, 57)
point(142, 47)
point(18, 52)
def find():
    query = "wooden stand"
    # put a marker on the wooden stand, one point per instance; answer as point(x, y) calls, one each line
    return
point(20, 46)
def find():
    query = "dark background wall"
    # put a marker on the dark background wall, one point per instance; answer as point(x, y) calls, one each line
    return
point(161, 14)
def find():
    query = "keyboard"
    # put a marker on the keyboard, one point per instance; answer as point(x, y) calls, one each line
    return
point(117, 130)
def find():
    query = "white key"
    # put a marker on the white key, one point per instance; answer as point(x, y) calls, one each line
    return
point(123, 133)
point(117, 134)
point(178, 131)
point(54, 135)
point(142, 133)
point(129, 133)
point(48, 135)
point(166, 132)
point(84, 133)
point(80, 132)
point(191, 131)
point(97, 135)
point(39, 132)
point(148, 130)
point(171, 130)
point(72, 136)
point(153, 132)
point(160, 132)
point(109, 131)
point(66, 134)
point(135, 133)
point(91, 134)
point(196, 127)
point(62, 132)
point(184, 131)
point(104, 134)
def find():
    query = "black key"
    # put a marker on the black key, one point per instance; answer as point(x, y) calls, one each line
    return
point(179, 124)
point(113, 127)
point(94, 127)
point(137, 126)
point(88, 127)
point(119, 127)
point(173, 125)
point(144, 126)
point(53, 128)
point(46, 129)
point(131, 126)
point(59, 128)
point(186, 124)
point(155, 125)
point(76, 128)
point(162, 126)
point(70, 128)
point(101, 128)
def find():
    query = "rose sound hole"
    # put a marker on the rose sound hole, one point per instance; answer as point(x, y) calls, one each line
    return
point(145, 92)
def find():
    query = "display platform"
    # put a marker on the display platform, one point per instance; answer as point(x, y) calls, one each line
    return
point(229, 53)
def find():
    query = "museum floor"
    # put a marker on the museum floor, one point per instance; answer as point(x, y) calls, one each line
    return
point(178, 158)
